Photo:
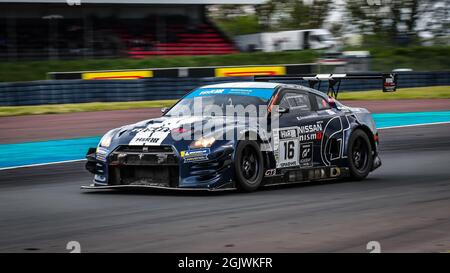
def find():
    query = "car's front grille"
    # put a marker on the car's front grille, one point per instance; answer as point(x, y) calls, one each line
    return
point(144, 149)
point(163, 176)
point(143, 155)
point(144, 165)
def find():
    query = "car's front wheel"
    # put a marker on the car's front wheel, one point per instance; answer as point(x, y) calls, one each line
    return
point(359, 155)
point(249, 166)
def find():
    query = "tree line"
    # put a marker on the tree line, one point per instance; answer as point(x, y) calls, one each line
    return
point(396, 20)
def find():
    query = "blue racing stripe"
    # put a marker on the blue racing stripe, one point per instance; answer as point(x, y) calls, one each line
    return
point(28, 153)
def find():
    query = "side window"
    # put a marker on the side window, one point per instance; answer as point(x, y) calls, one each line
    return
point(296, 101)
point(322, 104)
point(314, 38)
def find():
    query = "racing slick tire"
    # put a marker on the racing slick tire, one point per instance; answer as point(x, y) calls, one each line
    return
point(359, 155)
point(249, 166)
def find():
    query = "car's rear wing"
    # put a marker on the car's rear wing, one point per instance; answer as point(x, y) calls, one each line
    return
point(389, 81)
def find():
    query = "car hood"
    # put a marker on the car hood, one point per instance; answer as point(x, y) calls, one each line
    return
point(166, 130)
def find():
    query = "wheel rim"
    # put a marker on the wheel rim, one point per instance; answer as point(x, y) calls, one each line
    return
point(249, 164)
point(360, 155)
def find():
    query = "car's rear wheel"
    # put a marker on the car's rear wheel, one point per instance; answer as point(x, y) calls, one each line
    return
point(359, 155)
point(249, 166)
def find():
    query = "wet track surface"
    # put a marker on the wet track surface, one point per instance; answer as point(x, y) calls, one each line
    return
point(404, 205)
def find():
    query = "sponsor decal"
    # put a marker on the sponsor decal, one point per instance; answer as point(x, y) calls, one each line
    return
point(150, 129)
point(288, 133)
point(148, 139)
point(250, 71)
point(149, 135)
point(311, 128)
point(195, 155)
point(311, 136)
point(263, 93)
point(287, 147)
point(311, 132)
point(155, 133)
point(331, 147)
point(306, 154)
point(117, 75)
point(270, 172)
point(212, 91)
point(101, 154)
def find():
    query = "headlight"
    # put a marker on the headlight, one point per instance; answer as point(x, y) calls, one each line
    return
point(106, 139)
point(203, 142)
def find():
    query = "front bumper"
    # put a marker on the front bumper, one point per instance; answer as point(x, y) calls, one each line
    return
point(159, 167)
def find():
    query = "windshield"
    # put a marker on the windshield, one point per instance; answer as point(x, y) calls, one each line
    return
point(222, 101)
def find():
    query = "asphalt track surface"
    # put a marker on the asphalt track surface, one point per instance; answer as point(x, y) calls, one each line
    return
point(404, 205)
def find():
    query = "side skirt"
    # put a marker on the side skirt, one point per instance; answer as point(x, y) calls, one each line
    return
point(290, 176)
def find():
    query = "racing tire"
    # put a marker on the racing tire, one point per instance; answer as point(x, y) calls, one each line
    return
point(248, 165)
point(360, 159)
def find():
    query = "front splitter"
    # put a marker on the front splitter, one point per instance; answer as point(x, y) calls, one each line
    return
point(110, 187)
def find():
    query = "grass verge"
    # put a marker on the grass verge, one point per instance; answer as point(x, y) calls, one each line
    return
point(435, 92)
point(81, 107)
point(432, 92)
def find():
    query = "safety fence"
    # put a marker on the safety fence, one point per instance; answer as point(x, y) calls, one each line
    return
point(80, 91)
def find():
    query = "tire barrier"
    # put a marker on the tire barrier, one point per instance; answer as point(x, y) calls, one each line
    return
point(154, 88)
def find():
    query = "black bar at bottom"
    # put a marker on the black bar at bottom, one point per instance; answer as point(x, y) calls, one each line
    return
point(229, 262)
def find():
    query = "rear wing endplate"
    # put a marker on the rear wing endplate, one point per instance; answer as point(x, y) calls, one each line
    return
point(389, 81)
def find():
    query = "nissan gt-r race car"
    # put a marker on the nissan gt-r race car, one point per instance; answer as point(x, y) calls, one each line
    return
point(243, 135)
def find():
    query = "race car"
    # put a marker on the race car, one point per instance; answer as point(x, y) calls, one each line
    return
point(243, 135)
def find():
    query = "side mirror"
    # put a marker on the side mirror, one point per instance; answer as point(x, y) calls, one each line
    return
point(283, 110)
point(164, 110)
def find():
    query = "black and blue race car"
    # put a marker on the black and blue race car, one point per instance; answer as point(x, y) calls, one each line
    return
point(242, 135)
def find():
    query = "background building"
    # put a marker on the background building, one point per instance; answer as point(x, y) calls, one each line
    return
point(62, 29)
